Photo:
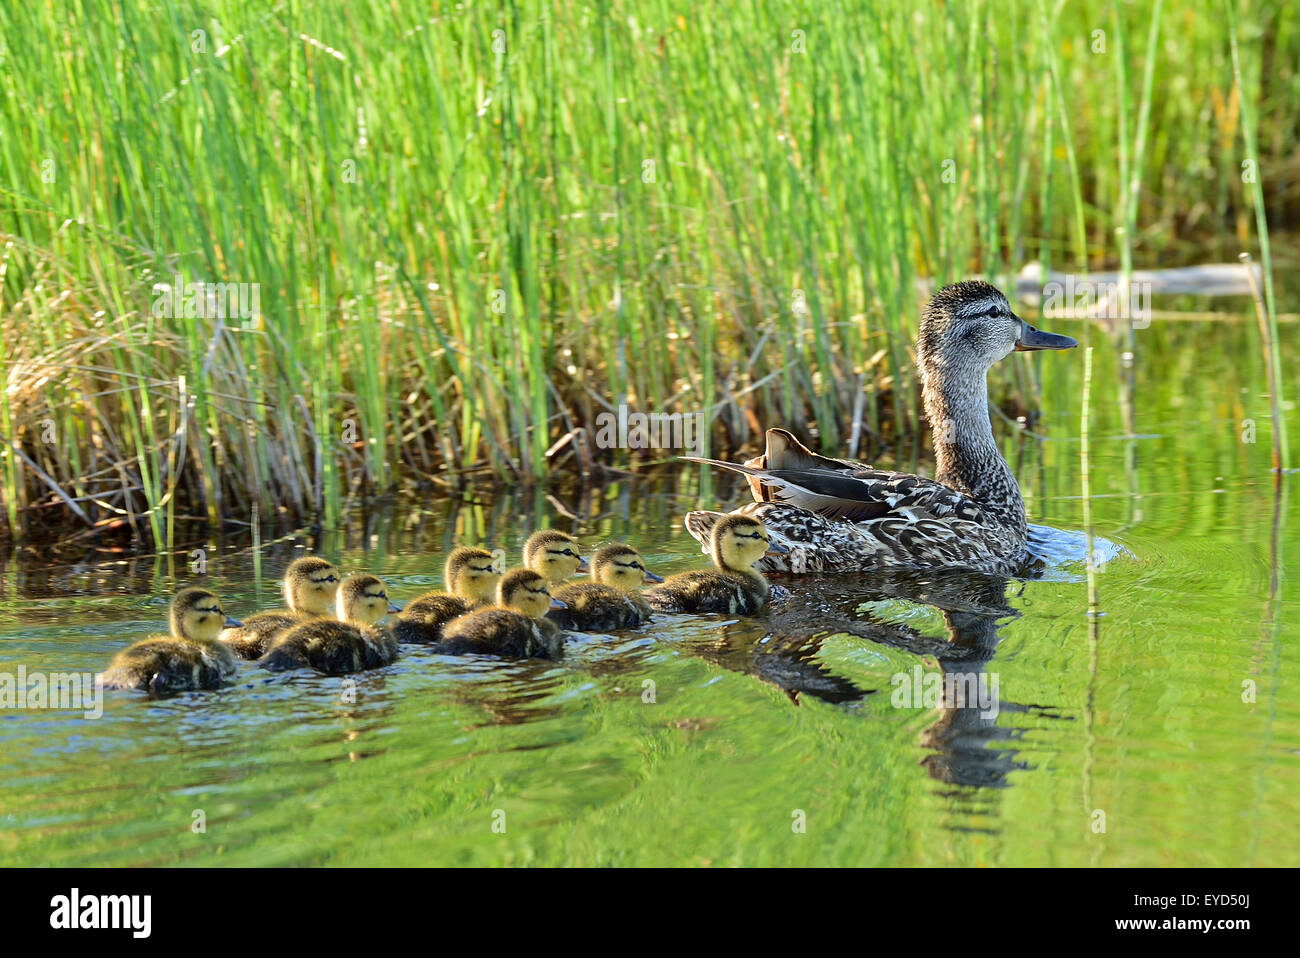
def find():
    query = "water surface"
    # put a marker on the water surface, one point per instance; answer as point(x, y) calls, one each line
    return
point(1163, 730)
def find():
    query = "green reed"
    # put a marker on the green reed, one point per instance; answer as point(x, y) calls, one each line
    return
point(475, 229)
point(1272, 351)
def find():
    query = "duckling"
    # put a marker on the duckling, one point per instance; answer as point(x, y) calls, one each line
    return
point(472, 577)
point(613, 600)
point(734, 587)
point(336, 646)
point(515, 628)
point(554, 555)
point(309, 587)
point(188, 659)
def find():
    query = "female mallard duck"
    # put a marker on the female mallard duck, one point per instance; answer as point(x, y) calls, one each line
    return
point(516, 628)
point(309, 587)
point(471, 575)
point(840, 516)
point(736, 542)
point(188, 659)
point(553, 555)
point(336, 646)
point(613, 600)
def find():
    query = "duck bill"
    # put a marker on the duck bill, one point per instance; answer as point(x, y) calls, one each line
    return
point(557, 604)
point(776, 549)
point(393, 606)
point(1032, 339)
point(233, 623)
point(651, 577)
point(583, 566)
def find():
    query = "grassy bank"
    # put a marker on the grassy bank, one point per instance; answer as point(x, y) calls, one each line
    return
point(465, 233)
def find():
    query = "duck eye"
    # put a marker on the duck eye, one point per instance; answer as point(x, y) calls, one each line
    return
point(994, 310)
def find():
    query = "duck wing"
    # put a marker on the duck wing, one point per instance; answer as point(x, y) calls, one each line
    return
point(784, 451)
point(856, 494)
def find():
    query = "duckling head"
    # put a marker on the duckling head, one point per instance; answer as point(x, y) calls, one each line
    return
point(738, 541)
point(363, 599)
point(620, 566)
point(969, 326)
point(472, 574)
point(197, 614)
point(554, 555)
point(310, 584)
point(525, 591)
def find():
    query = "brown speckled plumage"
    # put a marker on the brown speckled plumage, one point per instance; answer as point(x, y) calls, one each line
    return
point(840, 516)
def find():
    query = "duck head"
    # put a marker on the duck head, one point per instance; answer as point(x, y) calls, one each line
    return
point(197, 614)
point(969, 326)
point(621, 567)
point(472, 574)
point(310, 584)
point(738, 541)
point(526, 591)
point(363, 599)
point(554, 555)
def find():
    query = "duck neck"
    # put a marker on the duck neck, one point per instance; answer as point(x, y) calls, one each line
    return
point(748, 571)
point(968, 458)
point(298, 606)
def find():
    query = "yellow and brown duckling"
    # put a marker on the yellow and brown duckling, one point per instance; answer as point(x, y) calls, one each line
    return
point(611, 602)
point(190, 658)
point(471, 576)
point(310, 584)
point(553, 555)
point(350, 643)
point(515, 628)
point(733, 586)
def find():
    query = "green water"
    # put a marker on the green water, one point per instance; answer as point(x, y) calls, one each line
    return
point(1120, 739)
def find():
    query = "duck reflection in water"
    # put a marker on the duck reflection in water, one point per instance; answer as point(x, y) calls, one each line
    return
point(782, 650)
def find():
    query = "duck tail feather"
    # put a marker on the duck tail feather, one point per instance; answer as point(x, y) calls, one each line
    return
point(785, 452)
point(733, 466)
